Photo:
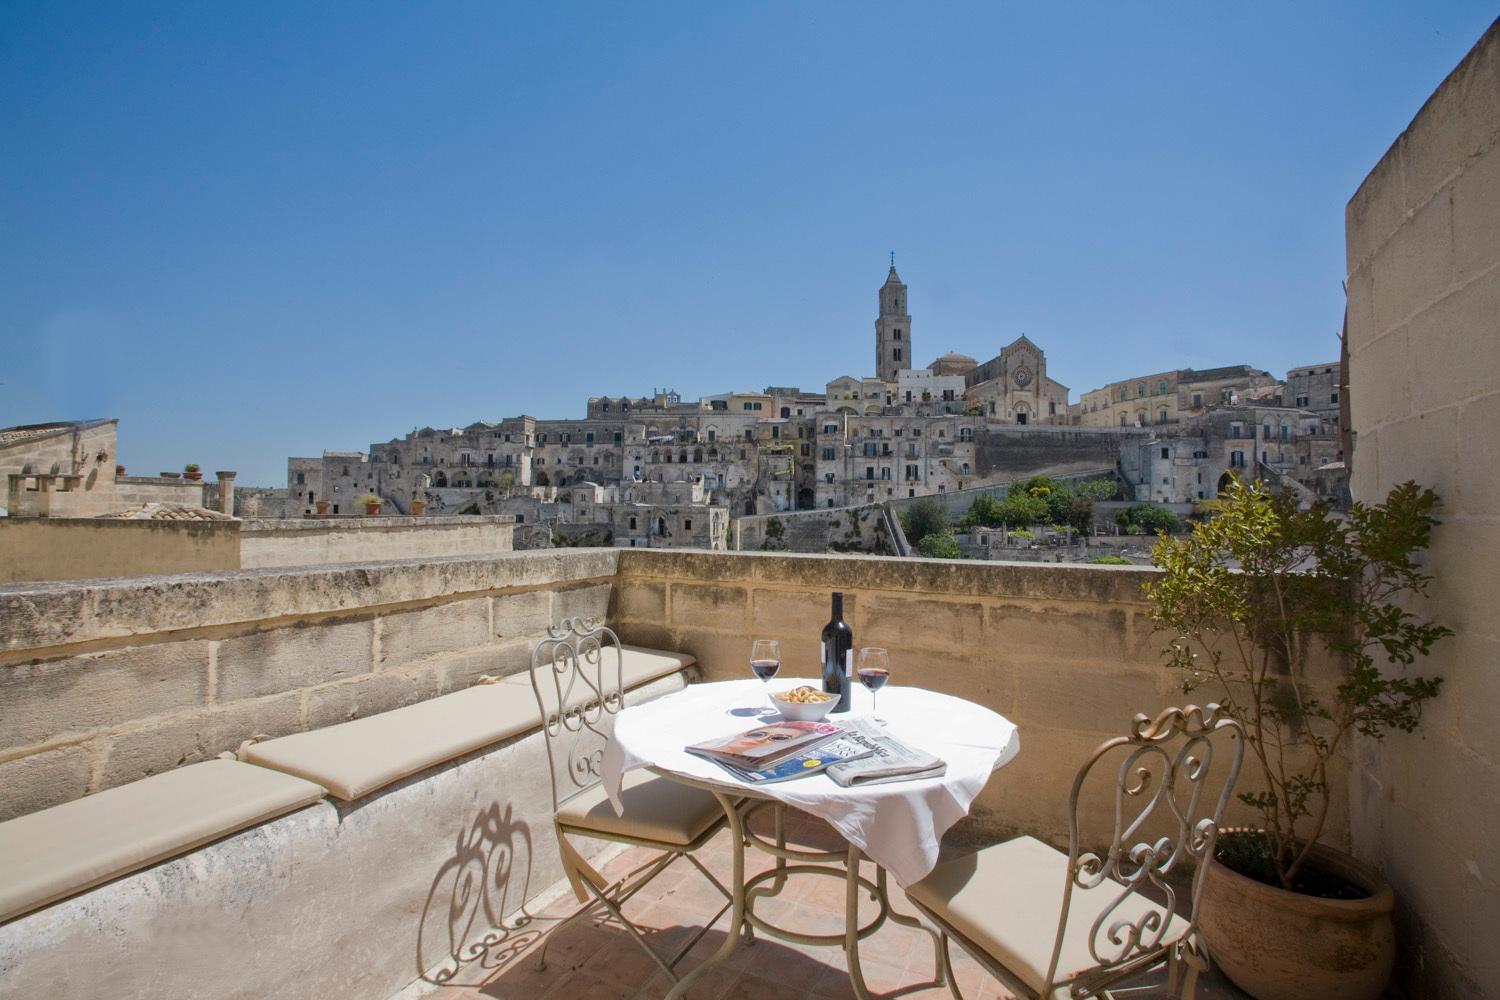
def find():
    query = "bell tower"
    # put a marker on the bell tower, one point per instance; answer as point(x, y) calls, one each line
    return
point(892, 328)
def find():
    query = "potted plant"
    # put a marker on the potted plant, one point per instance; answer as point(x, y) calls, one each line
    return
point(192, 471)
point(322, 505)
point(119, 470)
point(1253, 594)
point(418, 506)
point(372, 504)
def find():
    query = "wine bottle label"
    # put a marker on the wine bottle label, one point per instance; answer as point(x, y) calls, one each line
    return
point(848, 663)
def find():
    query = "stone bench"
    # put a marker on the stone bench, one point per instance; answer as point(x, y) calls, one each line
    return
point(58, 852)
point(355, 758)
point(65, 850)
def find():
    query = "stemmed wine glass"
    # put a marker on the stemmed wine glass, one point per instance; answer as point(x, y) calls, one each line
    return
point(874, 669)
point(765, 658)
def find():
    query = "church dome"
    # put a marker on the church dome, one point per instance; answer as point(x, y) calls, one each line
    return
point(952, 363)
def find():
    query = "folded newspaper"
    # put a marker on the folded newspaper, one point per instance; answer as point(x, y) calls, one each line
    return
point(889, 759)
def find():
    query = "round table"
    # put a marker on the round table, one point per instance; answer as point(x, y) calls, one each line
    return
point(898, 826)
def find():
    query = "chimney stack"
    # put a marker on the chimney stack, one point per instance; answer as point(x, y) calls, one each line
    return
point(226, 492)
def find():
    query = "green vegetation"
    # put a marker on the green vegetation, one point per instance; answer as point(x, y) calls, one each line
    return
point(1040, 500)
point(1148, 520)
point(191, 467)
point(1252, 592)
point(1024, 535)
point(923, 518)
point(939, 545)
point(1109, 560)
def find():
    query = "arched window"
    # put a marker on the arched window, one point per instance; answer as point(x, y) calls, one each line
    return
point(1161, 415)
point(661, 526)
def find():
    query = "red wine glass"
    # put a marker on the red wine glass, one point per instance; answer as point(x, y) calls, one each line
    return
point(874, 669)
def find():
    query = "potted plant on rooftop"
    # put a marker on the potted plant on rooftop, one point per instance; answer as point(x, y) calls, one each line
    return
point(1253, 599)
point(372, 504)
point(192, 471)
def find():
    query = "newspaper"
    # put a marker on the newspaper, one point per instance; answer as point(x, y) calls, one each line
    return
point(889, 759)
point(834, 752)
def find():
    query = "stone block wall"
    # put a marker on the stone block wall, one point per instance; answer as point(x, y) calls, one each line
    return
point(1423, 235)
point(850, 529)
point(1065, 652)
point(69, 548)
point(106, 681)
point(321, 541)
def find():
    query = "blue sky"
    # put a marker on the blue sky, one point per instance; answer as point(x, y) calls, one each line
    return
point(257, 230)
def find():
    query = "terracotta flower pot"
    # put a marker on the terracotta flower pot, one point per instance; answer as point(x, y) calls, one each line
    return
point(372, 508)
point(322, 505)
point(1281, 945)
point(194, 476)
point(418, 507)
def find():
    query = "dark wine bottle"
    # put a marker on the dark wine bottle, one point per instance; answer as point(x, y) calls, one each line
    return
point(838, 655)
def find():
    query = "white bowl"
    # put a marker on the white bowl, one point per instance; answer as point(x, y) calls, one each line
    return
point(797, 711)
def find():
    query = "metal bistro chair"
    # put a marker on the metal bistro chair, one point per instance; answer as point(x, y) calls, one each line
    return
point(1050, 925)
point(577, 674)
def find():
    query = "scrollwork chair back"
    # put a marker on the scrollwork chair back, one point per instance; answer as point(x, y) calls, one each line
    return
point(577, 673)
point(1174, 778)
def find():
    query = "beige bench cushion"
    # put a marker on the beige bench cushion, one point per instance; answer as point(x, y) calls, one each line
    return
point(355, 758)
point(656, 809)
point(638, 666)
point(57, 852)
point(1006, 899)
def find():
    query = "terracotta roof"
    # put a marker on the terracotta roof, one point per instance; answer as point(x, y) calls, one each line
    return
point(166, 512)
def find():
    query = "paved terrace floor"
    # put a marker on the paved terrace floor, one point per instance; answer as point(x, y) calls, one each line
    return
point(598, 961)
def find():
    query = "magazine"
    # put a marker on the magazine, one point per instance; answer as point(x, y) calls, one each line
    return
point(888, 760)
point(840, 750)
point(764, 745)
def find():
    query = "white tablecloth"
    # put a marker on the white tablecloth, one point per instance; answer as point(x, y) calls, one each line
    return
point(897, 825)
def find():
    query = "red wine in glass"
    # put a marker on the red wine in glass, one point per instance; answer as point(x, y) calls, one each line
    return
point(765, 658)
point(874, 668)
point(765, 669)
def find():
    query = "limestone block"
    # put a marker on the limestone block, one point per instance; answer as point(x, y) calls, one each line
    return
point(407, 636)
point(785, 614)
point(1383, 371)
point(1476, 216)
point(40, 615)
point(1424, 448)
point(197, 735)
point(526, 614)
point(709, 606)
point(1460, 120)
point(1080, 633)
point(591, 601)
point(1455, 345)
point(1078, 698)
point(44, 779)
point(1415, 267)
point(301, 655)
point(79, 694)
point(643, 601)
point(1478, 477)
point(462, 669)
point(370, 694)
point(903, 623)
point(1361, 310)
point(721, 656)
point(1377, 209)
point(677, 564)
point(652, 635)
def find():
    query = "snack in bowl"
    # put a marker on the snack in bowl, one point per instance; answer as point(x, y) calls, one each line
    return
point(804, 703)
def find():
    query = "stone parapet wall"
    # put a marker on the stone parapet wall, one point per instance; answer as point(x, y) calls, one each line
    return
point(68, 548)
point(1423, 241)
point(322, 541)
point(1066, 652)
point(106, 681)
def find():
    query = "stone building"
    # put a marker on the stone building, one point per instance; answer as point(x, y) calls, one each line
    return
point(1013, 387)
point(71, 469)
point(1316, 388)
point(892, 328)
point(1168, 397)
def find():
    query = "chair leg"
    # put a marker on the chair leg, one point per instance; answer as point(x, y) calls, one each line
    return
point(947, 968)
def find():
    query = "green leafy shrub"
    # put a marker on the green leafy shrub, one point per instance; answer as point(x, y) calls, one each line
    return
point(1151, 520)
point(939, 545)
point(1251, 592)
point(1110, 560)
point(923, 518)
